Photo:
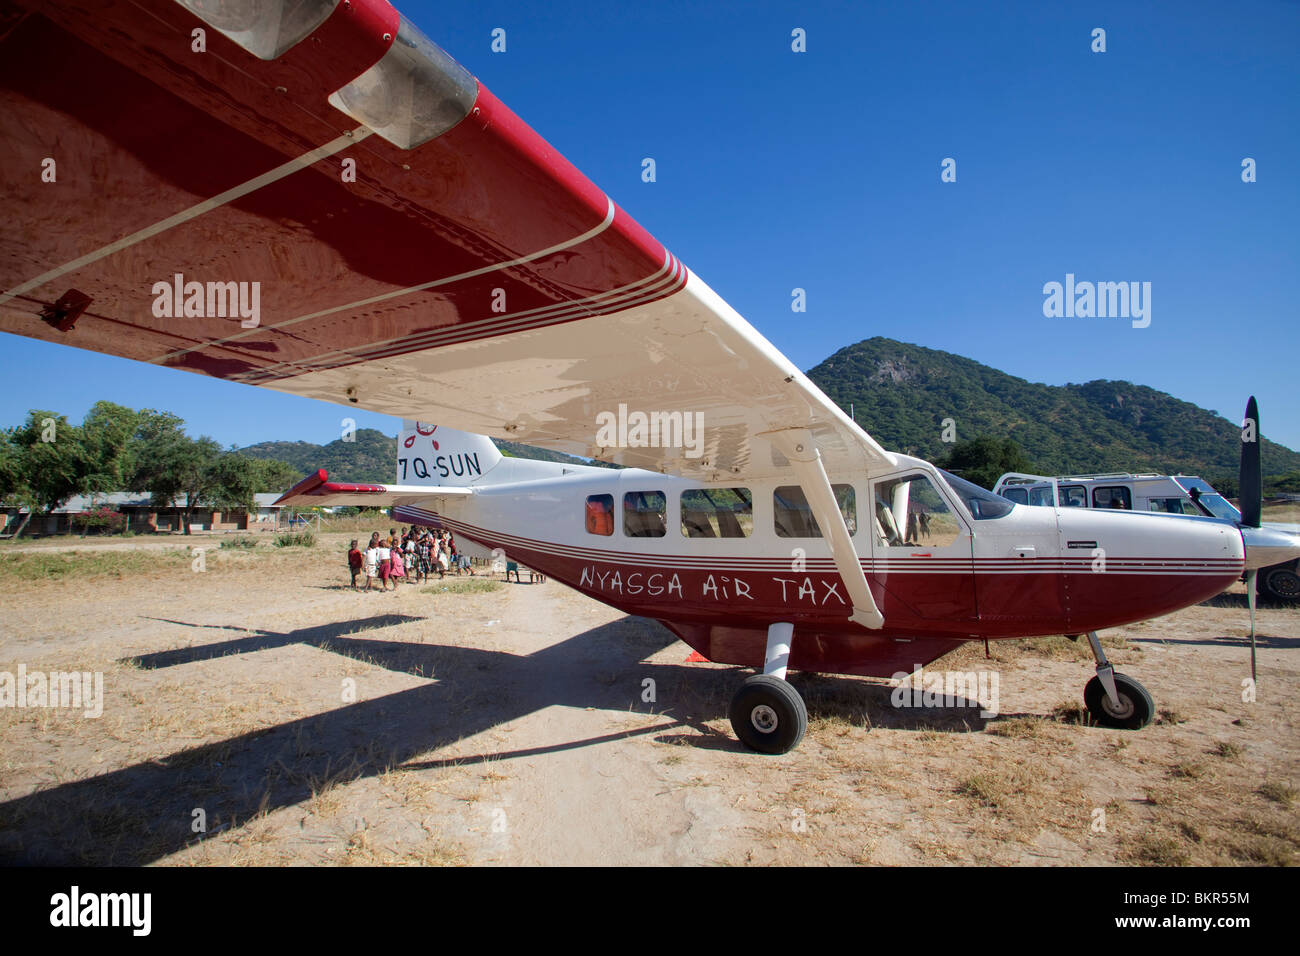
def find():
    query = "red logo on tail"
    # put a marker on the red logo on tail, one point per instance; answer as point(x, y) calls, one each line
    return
point(419, 427)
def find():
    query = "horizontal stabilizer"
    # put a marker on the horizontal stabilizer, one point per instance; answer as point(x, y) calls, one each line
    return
point(317, 490)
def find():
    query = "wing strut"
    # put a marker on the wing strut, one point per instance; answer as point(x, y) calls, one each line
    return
point(797, 445)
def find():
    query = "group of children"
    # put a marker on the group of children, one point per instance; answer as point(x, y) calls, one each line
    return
point(410, 558)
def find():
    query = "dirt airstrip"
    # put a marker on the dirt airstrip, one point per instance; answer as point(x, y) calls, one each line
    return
point(259, 712)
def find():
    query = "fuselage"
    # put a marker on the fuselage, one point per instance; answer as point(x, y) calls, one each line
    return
point(718, 564)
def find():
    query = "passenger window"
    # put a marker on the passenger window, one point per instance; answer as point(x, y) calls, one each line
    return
point(645, 514)
point(1019, 495)
point(910, 513)
point(717, 513)
point(1074, 496)
point(600, 514)
point(793, 515)
point(1112, 496)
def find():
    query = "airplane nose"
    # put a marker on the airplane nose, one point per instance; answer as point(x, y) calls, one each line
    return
point(1266, 547)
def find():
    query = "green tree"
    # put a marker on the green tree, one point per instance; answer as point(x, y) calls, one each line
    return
point(106, 433)
point(176, 469)
point(1283, 484)
point(234, 481)
point(44, 463)
point(273, 475)
point(14, 487)
point(984, 459)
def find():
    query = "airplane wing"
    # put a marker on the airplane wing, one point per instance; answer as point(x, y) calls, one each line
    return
point(323, 202)
point(317, 490)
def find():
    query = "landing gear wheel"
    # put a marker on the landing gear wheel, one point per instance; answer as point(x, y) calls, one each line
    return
point(768, 715)
point(1136, 708)
point(1281, 584)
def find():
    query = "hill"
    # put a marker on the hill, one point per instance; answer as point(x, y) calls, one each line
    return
point(902, 393)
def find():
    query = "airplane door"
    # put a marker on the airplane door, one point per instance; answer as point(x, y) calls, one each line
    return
point(922, 556)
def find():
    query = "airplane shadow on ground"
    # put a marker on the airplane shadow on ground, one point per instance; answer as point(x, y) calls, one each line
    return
point(1262, 641)
point(1262, 602)
point(144, 812)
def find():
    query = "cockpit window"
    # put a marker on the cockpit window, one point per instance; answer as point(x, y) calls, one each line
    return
point(910, 513)
point(980, 503)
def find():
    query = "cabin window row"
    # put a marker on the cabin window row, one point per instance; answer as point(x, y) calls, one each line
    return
point(715, 513)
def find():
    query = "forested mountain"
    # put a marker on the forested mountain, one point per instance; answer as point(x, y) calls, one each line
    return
point(902, 394)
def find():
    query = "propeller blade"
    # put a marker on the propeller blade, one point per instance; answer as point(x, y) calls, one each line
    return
point(1250, 599)
point(1251, 484)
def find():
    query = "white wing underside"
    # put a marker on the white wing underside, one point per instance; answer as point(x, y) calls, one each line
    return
point(690, 354)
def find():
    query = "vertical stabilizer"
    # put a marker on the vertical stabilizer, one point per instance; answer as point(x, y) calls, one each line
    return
point(438, 456)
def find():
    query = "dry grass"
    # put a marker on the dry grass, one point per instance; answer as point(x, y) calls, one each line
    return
point(1158, 849)
point(1189, 770)
point(70, 568)
point(470, 586)
point(1227, 750)
point(1019, 727)
point(1278, 791)
point(79, 565)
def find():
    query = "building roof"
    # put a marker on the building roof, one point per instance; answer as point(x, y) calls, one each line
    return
point(139, 499)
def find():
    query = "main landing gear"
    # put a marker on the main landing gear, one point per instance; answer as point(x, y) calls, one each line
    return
point(1115, 700)
point(767, 714)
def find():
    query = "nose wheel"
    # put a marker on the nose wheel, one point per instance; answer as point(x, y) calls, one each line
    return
point(768, 715)
point(1134, 709)
point(1116, 700)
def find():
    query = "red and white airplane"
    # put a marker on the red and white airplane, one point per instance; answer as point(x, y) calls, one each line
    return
point(323, 202)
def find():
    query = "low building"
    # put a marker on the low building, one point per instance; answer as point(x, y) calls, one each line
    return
point(142, 516)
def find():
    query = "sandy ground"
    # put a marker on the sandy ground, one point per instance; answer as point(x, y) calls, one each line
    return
point(260, 712)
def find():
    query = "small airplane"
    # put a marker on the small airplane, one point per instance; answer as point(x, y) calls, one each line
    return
point(740, 569)
point(324, 203)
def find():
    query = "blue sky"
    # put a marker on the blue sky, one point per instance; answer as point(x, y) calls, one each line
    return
point(821, 170)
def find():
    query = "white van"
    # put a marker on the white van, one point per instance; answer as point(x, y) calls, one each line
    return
point(1164, 494)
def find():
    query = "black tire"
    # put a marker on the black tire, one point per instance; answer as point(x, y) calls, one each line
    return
point(1136, 706)
point(768, 715)
point(1280, 583)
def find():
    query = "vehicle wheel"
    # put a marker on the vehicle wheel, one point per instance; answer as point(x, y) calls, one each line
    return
point(1280, 584)
point(768, 715)
point(1136, 708)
